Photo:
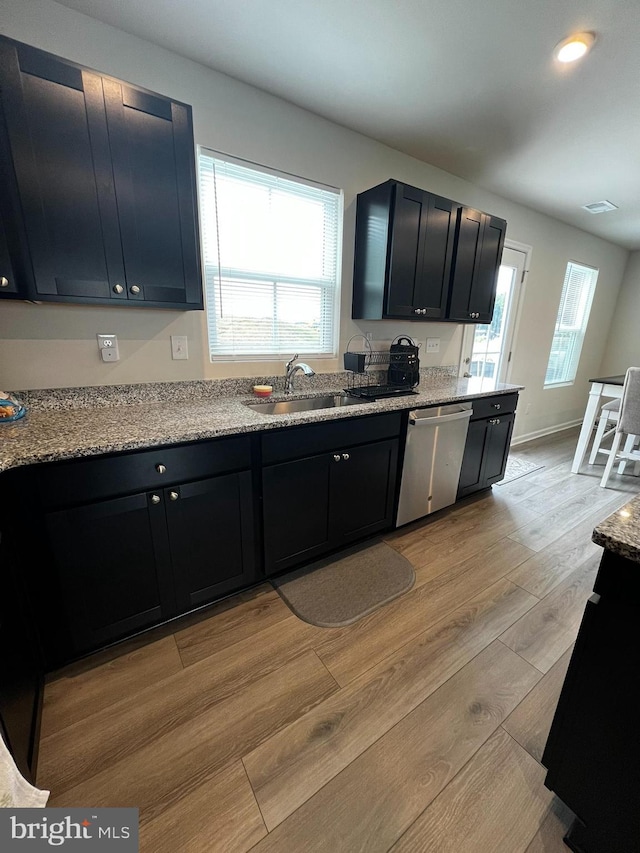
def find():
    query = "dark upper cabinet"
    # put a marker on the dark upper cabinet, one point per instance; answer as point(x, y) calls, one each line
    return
point(479, 244)
point(404, 245)
point(104, 176)
point(419, 256)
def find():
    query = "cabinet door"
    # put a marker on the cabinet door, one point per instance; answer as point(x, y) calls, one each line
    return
point(151, 141)
point(471, 472)
point(211, 536)
point(497, 448)
point(296, 511)
point(362, 490)
point(593, 751)
point(112, 560)
point(8, 280)
point(479, 243)
point(420, 255)
point(59, 148)
point(20, 670)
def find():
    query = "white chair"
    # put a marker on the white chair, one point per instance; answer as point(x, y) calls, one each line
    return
point(609, 415)
point(628, 425)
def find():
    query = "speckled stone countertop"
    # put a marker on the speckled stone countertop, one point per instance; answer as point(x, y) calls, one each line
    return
point(620, 532)
point(75, 422)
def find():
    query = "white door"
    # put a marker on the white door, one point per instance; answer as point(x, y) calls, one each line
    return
point(486, 348)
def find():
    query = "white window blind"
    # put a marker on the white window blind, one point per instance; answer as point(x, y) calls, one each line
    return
point(571, 324)
point(271, 246)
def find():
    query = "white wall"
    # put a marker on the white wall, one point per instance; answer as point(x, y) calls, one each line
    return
point(623, 346)
point(54, 345)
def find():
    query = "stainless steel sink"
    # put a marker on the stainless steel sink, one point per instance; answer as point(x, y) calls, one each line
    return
point(305, 404)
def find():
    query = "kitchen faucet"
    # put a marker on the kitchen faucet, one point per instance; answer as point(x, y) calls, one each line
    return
point(291, 369)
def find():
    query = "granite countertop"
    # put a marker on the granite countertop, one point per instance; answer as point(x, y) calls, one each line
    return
point(620, 532)
point(69, 423)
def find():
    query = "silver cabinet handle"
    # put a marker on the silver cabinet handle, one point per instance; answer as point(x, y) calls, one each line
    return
point(336, 457)
point(4, 282)
point(135, 289)
point(155, 499)
point(118, 288)
point(416, 310)
point(174, 495)
point(494, 421)
point(345, 456)
point(496, 406)
point(161, 469)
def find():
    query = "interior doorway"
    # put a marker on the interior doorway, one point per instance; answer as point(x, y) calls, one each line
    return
point(487, 348)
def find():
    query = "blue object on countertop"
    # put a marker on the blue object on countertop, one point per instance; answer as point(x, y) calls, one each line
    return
point(7, 402)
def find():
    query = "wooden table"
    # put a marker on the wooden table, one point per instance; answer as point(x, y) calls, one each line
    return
point(603, 386)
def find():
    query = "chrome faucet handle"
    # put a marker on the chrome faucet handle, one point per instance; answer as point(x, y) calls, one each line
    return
point(289, 364)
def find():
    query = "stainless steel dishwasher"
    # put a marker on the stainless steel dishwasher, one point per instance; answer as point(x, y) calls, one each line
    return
point(432, 460)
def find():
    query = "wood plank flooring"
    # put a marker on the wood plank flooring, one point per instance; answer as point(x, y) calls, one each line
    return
point(419, 728)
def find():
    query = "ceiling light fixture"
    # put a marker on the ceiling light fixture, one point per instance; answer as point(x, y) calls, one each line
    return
point(574, 47)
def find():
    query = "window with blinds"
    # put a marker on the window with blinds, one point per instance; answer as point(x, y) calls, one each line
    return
point(271, 245)
point(571, 324)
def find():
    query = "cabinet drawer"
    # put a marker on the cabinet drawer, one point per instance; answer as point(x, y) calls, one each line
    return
point(487, 407)
point(84, 480)
point(294, 443)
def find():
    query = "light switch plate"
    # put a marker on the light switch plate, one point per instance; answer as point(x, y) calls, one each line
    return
point(108, 347)
point(179, 347)
point(433, 344)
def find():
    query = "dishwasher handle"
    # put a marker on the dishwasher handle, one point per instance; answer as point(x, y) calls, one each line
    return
point(414, 420)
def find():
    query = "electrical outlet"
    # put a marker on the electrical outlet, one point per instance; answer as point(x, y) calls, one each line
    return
point(108, 347)
point(179, 347)
point(433, 344)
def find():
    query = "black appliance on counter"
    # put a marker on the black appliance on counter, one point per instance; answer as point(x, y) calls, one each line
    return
point(402, 370)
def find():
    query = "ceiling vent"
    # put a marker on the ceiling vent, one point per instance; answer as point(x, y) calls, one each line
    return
point(599, 207)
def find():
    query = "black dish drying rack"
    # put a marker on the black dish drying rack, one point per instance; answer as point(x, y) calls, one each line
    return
point(367, 371)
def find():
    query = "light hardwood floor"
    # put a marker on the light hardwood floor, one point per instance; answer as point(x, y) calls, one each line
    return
point(418, 728)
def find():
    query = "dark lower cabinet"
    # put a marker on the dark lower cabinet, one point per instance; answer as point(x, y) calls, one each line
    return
point(21, 668)
point(593, 751)
point(211, 538)
point(110, 566)
point(112, 562)
point(315, 504)
point(487, 446)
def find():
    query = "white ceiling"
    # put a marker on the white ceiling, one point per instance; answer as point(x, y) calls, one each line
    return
point(467, 85)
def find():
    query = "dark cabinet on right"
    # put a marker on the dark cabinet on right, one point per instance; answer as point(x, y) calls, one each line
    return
point(592, 752)
point(488, 439)
point(479, 244)
point(419, 256)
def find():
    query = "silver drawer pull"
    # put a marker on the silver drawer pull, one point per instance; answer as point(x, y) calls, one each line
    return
point(155, 499)
point(174, 495)
point(4, 282)
point(496, 405)
point(336, 457)
point(161, 469)
point(345, 456)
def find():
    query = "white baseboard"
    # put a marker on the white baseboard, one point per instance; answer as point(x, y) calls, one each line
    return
point(540, 433)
